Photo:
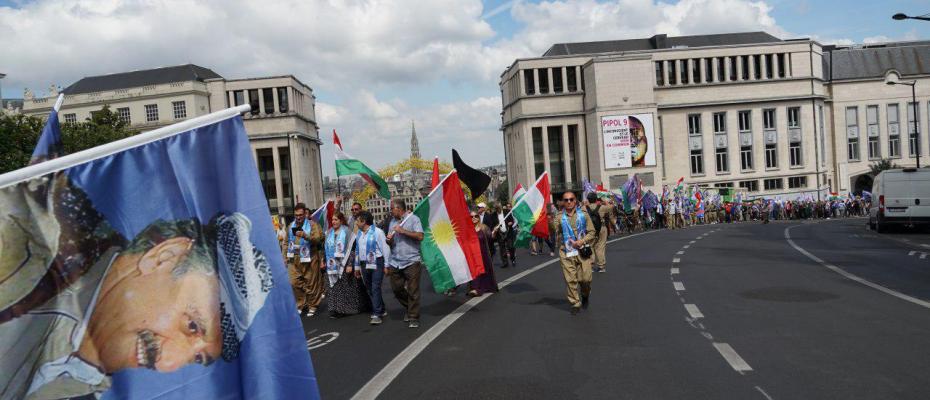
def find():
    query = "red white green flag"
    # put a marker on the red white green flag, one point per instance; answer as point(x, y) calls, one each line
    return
point(324, 215)
point(346, 165)
point(517, 194)
point(450, 248)
point(531, 212)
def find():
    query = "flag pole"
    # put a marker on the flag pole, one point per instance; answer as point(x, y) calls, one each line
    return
point(70, 160)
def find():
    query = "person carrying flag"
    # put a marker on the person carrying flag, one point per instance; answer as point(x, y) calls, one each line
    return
point(305, 261)
point(600, 218)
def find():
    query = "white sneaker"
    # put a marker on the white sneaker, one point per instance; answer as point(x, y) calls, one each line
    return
point(311, 311)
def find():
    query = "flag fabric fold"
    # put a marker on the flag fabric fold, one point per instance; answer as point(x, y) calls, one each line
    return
point(531, 212)
point(347, 165)
point(476, 180)
point(435, 181)
point(450, 248)
point(50, 144)
point(517, 195)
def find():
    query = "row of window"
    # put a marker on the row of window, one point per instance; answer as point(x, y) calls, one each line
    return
point(722, 69)
point(179, 109)
point(794, 182)
point(873, 133)
point(744, 122)
point(267, 96)
point(563, 80)
point(554, 143)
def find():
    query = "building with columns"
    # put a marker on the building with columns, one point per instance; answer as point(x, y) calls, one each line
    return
point(281, 126)
point(744, 110)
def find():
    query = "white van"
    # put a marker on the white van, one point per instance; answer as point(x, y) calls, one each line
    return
point(902, 197)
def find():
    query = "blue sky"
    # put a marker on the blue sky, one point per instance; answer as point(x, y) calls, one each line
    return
point(375, 66)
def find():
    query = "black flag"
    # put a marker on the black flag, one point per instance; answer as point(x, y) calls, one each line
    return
point(476, 181)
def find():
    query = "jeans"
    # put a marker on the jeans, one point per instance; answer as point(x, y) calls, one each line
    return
point(373, 279)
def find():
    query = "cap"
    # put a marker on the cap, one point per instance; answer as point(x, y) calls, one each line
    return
point(482, 205)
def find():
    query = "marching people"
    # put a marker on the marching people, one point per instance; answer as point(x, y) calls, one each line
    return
point(486, 282)
point(503, 232)
point(346, 295)
point(371, 250)
point(600, 219)
point(405, 232)
point(305, 260)
point(575, 233)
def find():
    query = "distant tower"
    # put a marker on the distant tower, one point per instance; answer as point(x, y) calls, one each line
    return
point(414, 143)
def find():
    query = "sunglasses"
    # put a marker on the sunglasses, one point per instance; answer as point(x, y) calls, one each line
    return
point(569, 199)
point(474, 216)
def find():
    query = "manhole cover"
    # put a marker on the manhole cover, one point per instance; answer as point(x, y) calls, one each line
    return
point(788, 295)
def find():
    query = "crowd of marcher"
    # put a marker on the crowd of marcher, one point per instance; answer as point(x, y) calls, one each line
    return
point(348, 274)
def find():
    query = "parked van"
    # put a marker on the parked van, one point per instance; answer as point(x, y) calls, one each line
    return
point(902, 197)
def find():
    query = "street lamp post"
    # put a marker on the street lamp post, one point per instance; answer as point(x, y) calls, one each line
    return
point(900, 17)
point(892, 80)
point(2, 75)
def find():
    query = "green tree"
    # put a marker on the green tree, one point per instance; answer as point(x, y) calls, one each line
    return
point(503, 197)
point(881, 165)
point(20, 133)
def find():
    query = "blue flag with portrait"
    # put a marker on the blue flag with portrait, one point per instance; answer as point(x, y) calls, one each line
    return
point(149, 272)
point(50, 144)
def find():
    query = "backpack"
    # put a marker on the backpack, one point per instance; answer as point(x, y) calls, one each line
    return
point(595, 218)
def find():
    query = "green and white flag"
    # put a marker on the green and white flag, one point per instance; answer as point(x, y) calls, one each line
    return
point(346, 166)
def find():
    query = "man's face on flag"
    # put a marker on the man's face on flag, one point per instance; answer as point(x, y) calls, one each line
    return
point(149, 314)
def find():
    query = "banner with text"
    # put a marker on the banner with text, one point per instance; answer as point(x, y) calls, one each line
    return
point(629, 141)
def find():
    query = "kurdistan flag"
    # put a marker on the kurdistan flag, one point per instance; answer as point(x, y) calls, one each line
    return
point(346, 165)
point(450, 247)
point(517, 194)
point(530, 212)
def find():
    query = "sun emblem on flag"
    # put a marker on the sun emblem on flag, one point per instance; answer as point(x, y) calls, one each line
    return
point(443, 232)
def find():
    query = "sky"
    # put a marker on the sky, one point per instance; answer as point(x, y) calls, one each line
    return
point(377, 65)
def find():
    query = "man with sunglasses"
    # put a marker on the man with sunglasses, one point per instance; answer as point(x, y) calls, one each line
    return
point(574, 233)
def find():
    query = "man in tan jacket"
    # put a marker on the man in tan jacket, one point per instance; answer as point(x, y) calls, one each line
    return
point(597, 206)
point(574, 231)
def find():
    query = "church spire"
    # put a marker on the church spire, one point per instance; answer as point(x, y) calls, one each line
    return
point(414, 143)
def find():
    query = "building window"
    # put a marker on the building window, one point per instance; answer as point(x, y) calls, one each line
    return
point(744, 66)
point(913, 131)
point(721, 69)
point(70, 118)
point(794, 117)
point(750, 186)
point(265, 160)
point(283, 106)
point(268, 98)
point(539, 161)
point(151, 112)
point(696, 70)
point(781, 65)
point(723, 164)
point(745, 157)
point(772, 184)
point(768, 66)
point(180, 109)
point(852, 133)
point(672, 76)
point(794, 154)
point(556, 160)
point(757, 61)
point(284, 163)
point(768, 119)
point(660, 73)
point(573, 79)
point(694, 125)
point(529, 81)
point(708, 70)
point(239, 97)
point(253, 101)
point(557, 80)
point(771, 156)
point(720, 123)
point(572, 137)
point(697, 162)
point(684, 71)
point(796, 182)
point(871, 120)
point(823, 149)
point(543, 80)
point(745, 122)
point(733, 70)
point(123, 114)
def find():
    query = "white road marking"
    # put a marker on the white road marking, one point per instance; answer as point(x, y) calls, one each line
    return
point(735, 361)
point(391, 370)
point(680, 287)
point(707, 335)
point(686, 246)
point(676, 260)
point(691, 242)
point(923, 256)
point(700, 237)
point(852, 277)
point(764, 394)
point(674, 271)
point(912, 252)
point(693, 311)
point(925, 245)
point(680, 252)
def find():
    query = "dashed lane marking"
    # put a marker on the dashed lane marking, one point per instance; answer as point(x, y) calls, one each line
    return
point(693, 311)
point(676, 260)
point(834, 268)
point(732, 357)
point(686, 246)
point(912, 252)
point(691, 242)
point(764, 394)
point(679, 287)
point(674, 271)
point(680, 252)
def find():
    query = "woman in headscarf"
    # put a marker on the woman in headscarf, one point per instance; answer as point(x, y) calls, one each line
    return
point(486, 282)
point(346, 294)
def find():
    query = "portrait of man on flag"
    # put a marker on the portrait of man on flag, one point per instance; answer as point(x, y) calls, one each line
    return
point(175, 294)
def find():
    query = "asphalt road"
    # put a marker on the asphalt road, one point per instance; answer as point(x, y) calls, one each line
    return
point(729, 311)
